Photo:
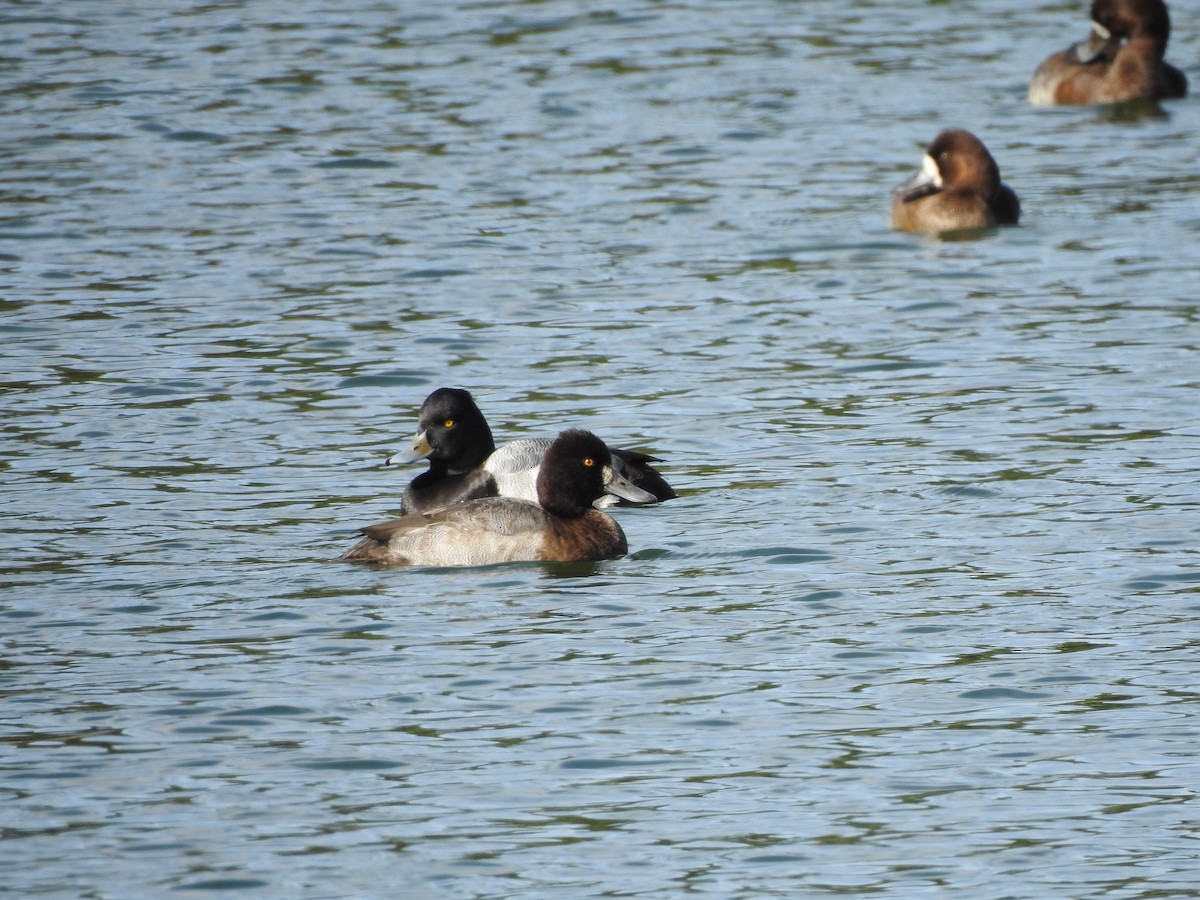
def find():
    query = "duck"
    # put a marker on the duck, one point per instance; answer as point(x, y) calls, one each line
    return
point(1120, 60)
point(562, 526)
point(957, 188)
point(464, 463)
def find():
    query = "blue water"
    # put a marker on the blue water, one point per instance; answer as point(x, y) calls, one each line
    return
point(923, 620)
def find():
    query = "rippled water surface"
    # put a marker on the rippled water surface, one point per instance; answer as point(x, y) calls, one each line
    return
point(923, 620)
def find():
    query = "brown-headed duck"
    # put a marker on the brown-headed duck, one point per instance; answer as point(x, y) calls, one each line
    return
point(958, 188)
point(464, 463)
point(563, 526)
point(1121, 60)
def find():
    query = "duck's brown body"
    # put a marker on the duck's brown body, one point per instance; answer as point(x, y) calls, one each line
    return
point(957, 189)
point(1122, 61)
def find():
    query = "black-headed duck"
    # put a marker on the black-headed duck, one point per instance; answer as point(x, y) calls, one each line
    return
point(1121, 60)
point(464, 463)
point(958, 188)
point(563, 526)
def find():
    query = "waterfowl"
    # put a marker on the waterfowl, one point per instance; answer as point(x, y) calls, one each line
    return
point(464, 463)
point(1120, 60)
point(957, 188)
point(563, 526)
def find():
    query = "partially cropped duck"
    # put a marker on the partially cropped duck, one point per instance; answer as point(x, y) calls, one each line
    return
point(464, 463)
point(958, 188)
point(1120, 60)
point(563, 526)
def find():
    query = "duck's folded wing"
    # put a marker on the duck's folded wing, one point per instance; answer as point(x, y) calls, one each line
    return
point(498, 515)
point(491, 530)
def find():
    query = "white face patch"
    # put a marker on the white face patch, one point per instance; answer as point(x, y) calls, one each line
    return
point(1101, 32)
point(929, 169)
point(607, 474)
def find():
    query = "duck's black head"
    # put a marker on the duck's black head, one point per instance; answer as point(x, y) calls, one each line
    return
point(454, 430)
point(576, 471)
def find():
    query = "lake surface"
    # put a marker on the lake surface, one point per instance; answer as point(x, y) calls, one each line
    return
point(923, 621)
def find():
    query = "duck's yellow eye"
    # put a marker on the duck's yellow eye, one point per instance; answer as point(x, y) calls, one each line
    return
point(449, 423)
point(588, 461)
